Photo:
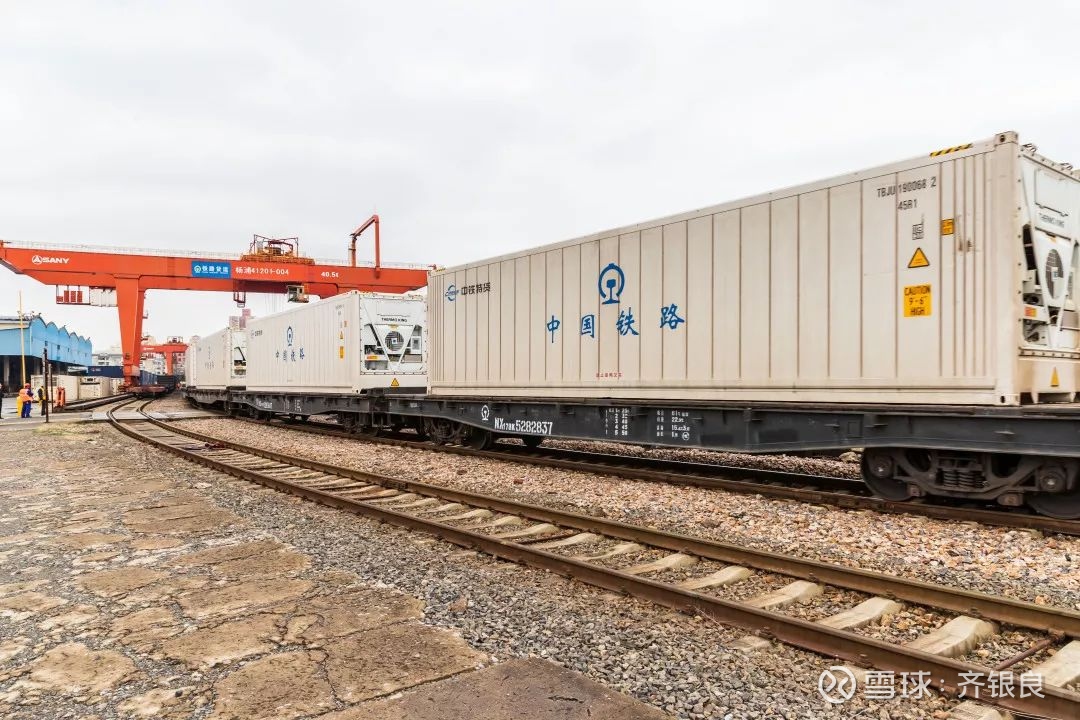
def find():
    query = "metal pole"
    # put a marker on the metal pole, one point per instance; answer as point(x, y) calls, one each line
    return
point(46, 374)
point(22, 343)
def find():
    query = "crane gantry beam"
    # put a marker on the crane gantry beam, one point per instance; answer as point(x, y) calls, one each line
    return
point(132, 273)
point(167, 349)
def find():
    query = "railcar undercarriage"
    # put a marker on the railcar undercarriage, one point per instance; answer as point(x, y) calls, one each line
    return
point(1011, 456)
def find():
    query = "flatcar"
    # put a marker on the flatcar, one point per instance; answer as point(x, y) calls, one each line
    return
point(924, 311)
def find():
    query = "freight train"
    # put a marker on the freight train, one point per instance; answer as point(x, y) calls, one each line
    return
point(924, 311)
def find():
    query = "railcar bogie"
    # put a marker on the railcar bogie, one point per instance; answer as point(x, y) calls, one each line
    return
point(1050, 485)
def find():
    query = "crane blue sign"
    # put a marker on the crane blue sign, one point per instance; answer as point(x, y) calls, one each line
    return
point(220, 269)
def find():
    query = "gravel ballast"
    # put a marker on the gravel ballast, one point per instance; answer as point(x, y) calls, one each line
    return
point(1014, 563)
point(678, 663)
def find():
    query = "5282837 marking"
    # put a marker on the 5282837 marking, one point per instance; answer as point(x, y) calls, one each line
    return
point(533, 427)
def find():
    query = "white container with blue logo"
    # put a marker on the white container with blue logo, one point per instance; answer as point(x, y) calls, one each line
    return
point(350, 343)
point(217, 361)
point(948, 278)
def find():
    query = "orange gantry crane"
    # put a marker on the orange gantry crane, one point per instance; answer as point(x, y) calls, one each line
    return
point(170, 349)
point(122, 277)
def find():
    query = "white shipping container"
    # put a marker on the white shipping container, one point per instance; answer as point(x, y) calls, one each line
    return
point(70, 383)
point(191, 371)
point(349, 343)
point(90, 391)
point(94, 387)
point(218, 360)
point(944, 279)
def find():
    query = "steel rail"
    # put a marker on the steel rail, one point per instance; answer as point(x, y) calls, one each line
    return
point(1006, 610)
point(769, 488)
point(946, 674)
point(90, 404)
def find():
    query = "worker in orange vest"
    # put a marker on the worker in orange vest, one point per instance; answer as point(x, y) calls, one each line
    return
point(26, 401)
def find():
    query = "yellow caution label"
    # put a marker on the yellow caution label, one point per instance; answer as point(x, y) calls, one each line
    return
point(919, 259)
point(1055, 381)
point(947, 226)
point(946, 151)
point(918, 301)
point(341, 353)
point(395, 383)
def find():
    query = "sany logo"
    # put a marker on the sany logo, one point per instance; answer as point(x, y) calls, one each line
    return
point(49, 260)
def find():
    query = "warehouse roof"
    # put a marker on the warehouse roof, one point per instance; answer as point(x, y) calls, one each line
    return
point(39, 334)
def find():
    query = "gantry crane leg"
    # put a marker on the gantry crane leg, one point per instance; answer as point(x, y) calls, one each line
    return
point(129, 301)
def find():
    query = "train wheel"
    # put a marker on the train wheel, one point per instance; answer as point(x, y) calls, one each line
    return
point(1063, 506)
point(479, 439)
point(878, 472)
point(532, 441)
point(440, 431)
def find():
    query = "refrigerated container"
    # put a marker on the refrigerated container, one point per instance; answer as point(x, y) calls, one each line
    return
point(216, 361)
point(95, 387)
point(350, 343)
point(947, 278)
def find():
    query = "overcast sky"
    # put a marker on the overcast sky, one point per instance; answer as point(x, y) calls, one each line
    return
point(477, 128)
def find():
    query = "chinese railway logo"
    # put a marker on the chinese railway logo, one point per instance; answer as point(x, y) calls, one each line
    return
point(451, 293)
point(611, 284)
point(485, 413)
point(288, 336)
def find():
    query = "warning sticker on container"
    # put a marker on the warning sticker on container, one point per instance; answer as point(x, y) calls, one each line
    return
point(918, 301)
point(947, 226)
point(919, 259)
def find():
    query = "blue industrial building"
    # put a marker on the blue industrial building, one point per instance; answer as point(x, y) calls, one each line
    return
point(65, 348)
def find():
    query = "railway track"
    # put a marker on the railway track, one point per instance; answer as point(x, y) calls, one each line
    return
point(678, 571)
point(81, 405)
point(816, 489)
